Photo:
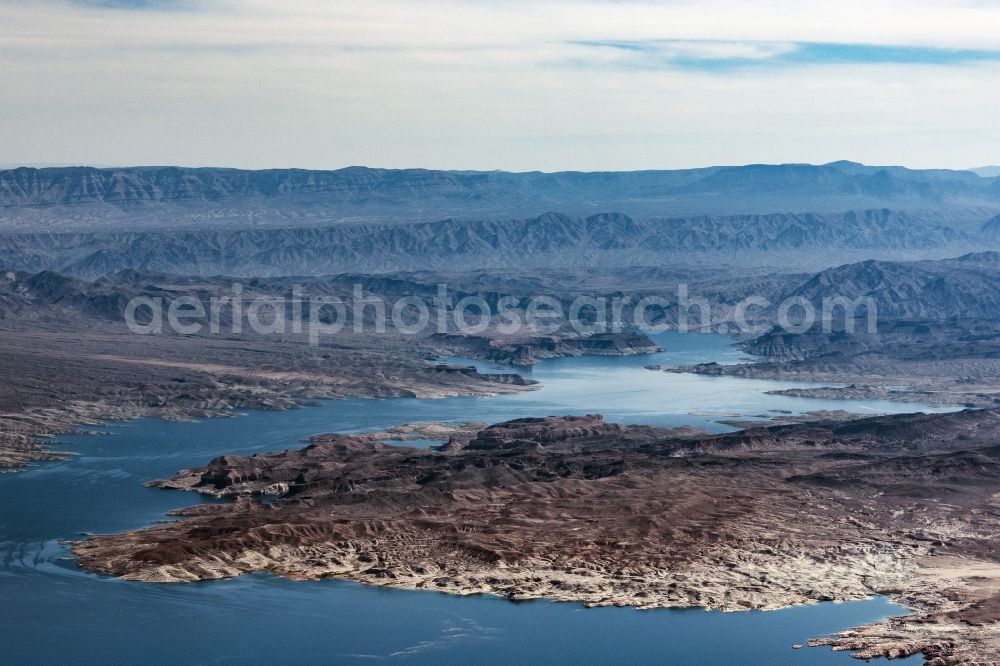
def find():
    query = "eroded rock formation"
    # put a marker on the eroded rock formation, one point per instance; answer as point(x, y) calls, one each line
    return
point(577, 509)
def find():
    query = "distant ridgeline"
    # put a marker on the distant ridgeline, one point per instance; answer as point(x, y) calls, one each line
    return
point(90, 222)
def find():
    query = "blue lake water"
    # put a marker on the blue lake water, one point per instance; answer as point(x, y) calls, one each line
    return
point(51, 612)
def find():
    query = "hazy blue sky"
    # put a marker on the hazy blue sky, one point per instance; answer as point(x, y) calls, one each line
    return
point(485, 84)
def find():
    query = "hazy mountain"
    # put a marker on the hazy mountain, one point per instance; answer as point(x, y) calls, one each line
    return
point(49, 295)
point(968, 286)
point(991, 228)
point(987, 171)
point(89, 222)
point(925, 310)
point(86, 199)
point(549, 241)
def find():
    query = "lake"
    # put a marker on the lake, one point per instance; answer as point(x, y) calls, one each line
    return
point(52, 612)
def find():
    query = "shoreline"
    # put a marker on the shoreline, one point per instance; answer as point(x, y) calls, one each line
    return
point(690, 521)
point(87, 379)
point(23, 435)
point(854, 385)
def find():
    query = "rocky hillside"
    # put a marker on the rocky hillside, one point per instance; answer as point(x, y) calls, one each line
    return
point(968, 286)
point(808, 241)
point(924, 309)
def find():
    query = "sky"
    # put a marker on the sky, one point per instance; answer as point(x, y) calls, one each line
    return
point(486, 84)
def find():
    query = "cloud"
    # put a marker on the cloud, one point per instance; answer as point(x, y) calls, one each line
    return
point(681, 54)
point(479, 84)
point(159, 5)
point(718, 56)
point(709, 50)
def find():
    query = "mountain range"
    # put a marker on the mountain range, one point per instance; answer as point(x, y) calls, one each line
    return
point(85, 198)
point(552, 240)
point(90, 222)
